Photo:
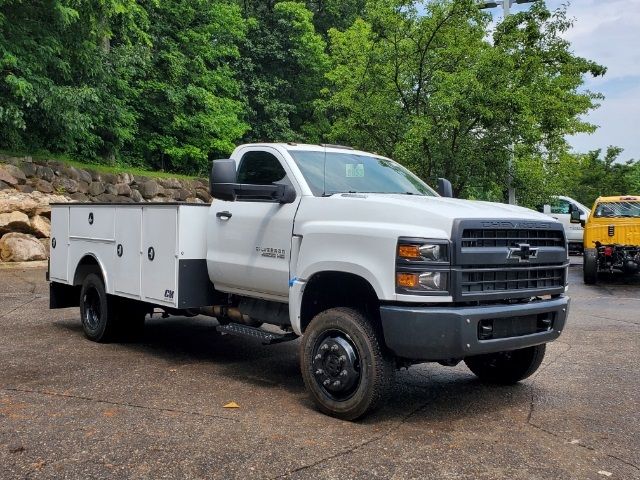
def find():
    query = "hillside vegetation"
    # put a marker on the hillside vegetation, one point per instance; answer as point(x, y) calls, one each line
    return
point(171, 85)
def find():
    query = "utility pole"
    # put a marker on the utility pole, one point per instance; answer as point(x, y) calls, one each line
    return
point(506, 7)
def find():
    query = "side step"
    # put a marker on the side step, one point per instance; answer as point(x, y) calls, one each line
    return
point(268, 338)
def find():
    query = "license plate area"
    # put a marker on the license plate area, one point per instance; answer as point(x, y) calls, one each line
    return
point(493, 328)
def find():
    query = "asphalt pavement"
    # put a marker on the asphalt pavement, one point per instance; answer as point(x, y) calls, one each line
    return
point(70, 408)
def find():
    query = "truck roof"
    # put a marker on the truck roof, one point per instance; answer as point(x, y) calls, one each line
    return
point(619, 198)
point(311, 147)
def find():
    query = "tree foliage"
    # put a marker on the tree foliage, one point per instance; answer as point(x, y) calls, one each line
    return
point(427, 87)
point(187, 98)
point(282, 68)
point(172, 85)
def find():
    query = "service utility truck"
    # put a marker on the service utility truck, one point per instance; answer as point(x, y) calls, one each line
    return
point(348, 250)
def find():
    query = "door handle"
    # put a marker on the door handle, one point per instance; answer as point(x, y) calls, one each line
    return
point(225, 215)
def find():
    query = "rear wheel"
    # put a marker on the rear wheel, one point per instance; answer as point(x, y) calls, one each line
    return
point(98, 311)
point(507, 367)
point(590, 267)
point(344, 365)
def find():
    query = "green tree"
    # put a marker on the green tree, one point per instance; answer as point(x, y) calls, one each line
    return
point(63, 74)
point(282, 67)
point(425, 86)
point(188, 99)
point(339, 14)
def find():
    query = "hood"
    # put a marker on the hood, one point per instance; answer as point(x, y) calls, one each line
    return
point(452, 208)
point(418, 215)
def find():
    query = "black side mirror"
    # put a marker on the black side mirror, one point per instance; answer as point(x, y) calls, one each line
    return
point(575, 215)
point(444, 188)
point(288, 195)
point(222, 179)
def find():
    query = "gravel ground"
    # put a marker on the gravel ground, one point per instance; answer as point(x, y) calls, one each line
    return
point(70, 408)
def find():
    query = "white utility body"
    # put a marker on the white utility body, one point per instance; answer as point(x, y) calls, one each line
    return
point(144, 250)
point(347, 249)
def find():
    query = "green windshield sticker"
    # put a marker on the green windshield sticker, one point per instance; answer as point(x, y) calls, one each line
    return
point(355, 170)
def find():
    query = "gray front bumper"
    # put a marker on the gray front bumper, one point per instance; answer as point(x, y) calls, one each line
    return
point(436, 333)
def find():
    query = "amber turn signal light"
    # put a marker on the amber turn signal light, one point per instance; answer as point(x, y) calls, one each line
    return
point(409, 251)
point(406, 280)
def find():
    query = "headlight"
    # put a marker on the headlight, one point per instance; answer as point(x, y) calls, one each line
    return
point(423, 252)
point(410, 282)
point(422, 266)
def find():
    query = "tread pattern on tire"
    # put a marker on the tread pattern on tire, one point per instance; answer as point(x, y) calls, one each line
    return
point(382, 362)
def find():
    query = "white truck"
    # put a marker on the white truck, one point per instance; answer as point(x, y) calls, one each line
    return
point(348, 250)
point(560, 208)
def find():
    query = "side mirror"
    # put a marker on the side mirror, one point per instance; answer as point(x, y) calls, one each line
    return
point(444, 188)
point(222, 179)
point(575, 215)
point(273, 193)
point(546, 209)
point(288, 195)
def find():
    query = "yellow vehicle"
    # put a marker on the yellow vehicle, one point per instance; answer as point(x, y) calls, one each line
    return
point(611, 237)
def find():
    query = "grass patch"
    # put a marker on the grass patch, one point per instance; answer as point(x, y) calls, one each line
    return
point(98, 167)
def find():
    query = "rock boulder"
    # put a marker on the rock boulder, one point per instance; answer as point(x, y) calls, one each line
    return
point(40, 226)
point(15, 172)
point(14, 222)
point(21, 247)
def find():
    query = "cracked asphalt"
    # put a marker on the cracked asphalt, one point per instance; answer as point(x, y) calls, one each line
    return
point(70, 408)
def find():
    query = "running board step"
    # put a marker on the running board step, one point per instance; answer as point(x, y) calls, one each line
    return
point(267, 338)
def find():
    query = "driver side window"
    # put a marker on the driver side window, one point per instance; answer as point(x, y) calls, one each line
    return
point(261, 168)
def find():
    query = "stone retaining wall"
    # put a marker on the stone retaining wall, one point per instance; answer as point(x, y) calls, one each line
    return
point(28, 186)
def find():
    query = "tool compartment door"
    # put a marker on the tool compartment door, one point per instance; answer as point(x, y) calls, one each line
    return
point(58, 269)
point(159, 254)
point(126, 275)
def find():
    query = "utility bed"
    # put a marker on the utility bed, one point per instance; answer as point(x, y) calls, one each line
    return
point(153, 252)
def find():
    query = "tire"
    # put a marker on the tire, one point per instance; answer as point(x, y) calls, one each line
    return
point(509, 367)
point(364, 374)
point(590, 267)
point(98, 311)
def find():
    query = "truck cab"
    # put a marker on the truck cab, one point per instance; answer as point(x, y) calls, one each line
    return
point(371, 267)
point(560, 208)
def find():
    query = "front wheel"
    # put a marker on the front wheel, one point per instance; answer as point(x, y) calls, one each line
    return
point(507, 367)
point(344, 365)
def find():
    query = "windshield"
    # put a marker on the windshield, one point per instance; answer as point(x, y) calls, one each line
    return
point(353, 173)
point(618, 209)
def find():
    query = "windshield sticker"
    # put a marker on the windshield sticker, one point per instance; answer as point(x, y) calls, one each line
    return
point(354, 170)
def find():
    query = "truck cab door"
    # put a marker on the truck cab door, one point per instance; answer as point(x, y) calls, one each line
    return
point(249, 239)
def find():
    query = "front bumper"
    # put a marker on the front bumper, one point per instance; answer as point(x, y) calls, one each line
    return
point(435, 333)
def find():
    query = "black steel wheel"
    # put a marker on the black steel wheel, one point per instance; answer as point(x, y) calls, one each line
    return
point(344, 364)
point(507, 367)
point(590, 267)
point(97, 310)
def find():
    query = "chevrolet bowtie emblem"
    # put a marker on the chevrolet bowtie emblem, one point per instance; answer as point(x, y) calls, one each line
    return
point(523, 252)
